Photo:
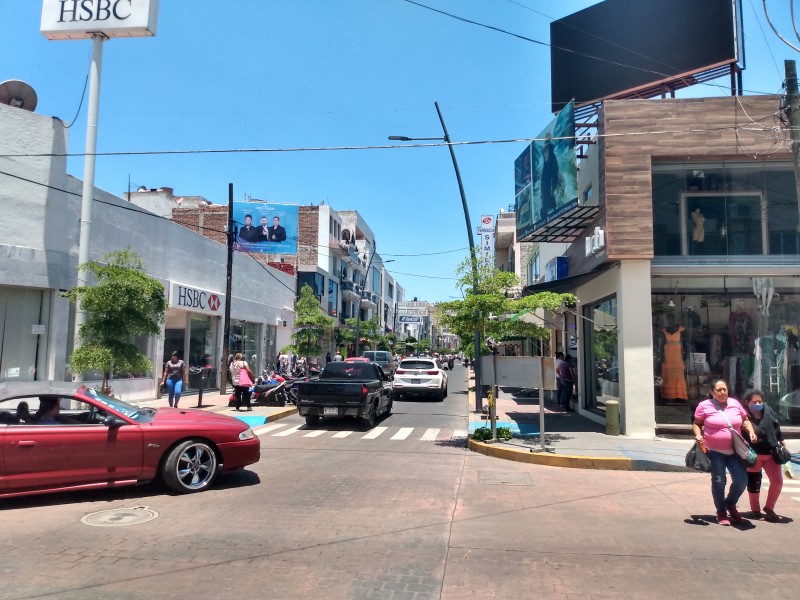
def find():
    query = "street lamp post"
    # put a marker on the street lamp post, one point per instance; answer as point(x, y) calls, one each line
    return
point(472, 254)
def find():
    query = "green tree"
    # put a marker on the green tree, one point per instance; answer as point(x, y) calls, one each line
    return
point(491, 311)
point(311, 324)
point(369, 331)
point(124, 303)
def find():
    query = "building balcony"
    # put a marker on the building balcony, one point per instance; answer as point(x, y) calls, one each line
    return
point(349, 289)
point(369, 300)
point(338, 248)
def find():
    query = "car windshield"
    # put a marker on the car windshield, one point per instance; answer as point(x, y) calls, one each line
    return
point(377, 356)
point(118, 405)
point(345, 370)
point(418, 364)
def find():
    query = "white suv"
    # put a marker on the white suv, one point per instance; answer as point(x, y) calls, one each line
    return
point(420, 376)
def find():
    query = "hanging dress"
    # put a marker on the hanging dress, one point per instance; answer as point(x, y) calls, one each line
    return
point(673, 380)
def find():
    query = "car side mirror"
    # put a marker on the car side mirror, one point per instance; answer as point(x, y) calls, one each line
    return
point(112, 421)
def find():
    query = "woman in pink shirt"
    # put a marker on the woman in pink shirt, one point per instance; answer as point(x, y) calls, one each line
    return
point(710, 427)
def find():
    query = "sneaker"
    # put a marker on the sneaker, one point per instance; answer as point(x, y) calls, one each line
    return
point(722, 518)
point(734, 513)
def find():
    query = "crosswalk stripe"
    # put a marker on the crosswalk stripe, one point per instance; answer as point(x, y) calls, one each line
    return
point(374, 433)
point(403, 433)
point(289, 431)
point(429, 435)
point(460, 434)
point(316, 432)
point(342, 434)
point(262, 429)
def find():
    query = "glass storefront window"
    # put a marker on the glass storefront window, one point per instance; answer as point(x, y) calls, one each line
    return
point(740, 329)
point(602, 354)
point(246, 338)
point(202, 354)
point(725, 209)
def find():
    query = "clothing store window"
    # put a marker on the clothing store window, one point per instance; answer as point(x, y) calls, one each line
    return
point(601, 367)
point(725, 209)
point(24, 320)
point(740, 329)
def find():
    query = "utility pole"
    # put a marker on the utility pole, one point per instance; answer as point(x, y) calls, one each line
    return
point(793, 104)
point(231, 235)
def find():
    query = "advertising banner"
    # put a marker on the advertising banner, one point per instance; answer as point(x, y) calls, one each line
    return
point(265, 228)
point(486, 233)
point(552, 183)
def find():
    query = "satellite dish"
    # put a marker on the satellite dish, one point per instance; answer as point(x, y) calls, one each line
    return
point(18, 94)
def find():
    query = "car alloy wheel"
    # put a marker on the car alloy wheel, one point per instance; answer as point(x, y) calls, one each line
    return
point(190, 467)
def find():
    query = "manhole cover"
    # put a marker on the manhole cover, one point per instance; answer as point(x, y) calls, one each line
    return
point(493, 478)
point(119, 517)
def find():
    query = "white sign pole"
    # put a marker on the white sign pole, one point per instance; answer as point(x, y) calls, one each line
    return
point(88, 179)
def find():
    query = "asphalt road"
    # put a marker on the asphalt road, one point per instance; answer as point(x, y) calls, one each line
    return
point(359, 518)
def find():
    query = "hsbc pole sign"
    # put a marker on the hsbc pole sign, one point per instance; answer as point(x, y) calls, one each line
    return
point(195, 300)
point(79, 19)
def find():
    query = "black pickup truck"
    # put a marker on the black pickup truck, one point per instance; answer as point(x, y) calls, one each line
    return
point(346, 389)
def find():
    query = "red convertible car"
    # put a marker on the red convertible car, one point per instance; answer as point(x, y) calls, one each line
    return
point(62, 436)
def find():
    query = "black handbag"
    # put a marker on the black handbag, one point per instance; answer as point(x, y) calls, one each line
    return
point(697, 459)
point(781, 454)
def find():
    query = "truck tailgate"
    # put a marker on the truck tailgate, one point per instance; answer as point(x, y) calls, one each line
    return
point(330, 392)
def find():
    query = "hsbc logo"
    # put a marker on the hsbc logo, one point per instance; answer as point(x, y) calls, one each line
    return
point(193, 299)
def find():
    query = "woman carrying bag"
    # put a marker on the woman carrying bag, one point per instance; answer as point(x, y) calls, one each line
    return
point(716, 420)
point(242, 380)
point(768, 445)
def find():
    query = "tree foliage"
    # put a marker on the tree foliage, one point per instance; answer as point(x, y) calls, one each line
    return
point(369, 331)
point(124, 303)
point(490, 310)
point(311, 324)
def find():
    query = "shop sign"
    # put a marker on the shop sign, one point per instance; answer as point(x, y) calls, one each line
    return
point(80, 19)
point(195, 300)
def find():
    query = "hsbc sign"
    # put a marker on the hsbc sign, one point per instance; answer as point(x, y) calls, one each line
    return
point(195, 300)
point(79, 19)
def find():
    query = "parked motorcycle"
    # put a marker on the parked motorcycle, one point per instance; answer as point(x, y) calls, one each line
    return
point(269, 390)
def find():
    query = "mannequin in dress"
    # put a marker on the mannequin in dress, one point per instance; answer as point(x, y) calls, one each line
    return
point(673, 370)
point(699, 233)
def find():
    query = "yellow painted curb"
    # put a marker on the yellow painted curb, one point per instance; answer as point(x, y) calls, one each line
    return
point(551, 460)
point(288, 412)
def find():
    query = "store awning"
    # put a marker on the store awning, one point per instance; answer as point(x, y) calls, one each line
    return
point(568, 284)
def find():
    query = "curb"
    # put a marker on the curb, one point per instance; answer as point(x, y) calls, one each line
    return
point(553, 460)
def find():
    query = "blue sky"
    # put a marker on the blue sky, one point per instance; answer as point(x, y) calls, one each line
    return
point(330, 73)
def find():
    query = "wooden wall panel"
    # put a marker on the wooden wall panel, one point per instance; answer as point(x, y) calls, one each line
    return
point(632, 134)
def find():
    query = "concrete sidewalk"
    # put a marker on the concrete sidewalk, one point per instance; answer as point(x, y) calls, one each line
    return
point(572, 440)
point(215, 402)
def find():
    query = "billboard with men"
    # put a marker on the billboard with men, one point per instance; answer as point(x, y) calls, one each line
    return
point(265, 228)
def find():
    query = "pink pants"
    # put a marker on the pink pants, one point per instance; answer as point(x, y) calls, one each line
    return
point(774, 473)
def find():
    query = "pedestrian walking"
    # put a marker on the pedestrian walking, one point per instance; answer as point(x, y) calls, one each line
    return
point(713, 420)
point(337, 357)
point(566, 374)
point(328, 358)
point(173, 378)
point(769, 437)
point(242, 381)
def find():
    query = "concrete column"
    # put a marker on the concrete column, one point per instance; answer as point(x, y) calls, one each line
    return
point(634, 322)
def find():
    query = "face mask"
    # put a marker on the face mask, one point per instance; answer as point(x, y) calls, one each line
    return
point(756, 407)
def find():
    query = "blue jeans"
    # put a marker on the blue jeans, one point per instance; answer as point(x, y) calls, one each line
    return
point(175, 388)
point(731, 462)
